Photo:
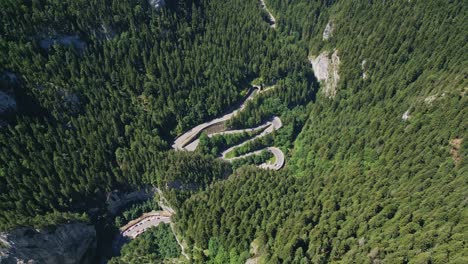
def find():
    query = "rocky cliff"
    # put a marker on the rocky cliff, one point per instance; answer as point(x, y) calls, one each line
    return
point(326, 69)
point(116, 200)
point(66, 244)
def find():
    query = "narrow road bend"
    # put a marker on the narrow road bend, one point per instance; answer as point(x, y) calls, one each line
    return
point(189, 140)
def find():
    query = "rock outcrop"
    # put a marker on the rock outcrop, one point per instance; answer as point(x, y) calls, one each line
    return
point(7, 102)
point(65, 40)
point(158, 3)
point(116, 200)
point(326, 70)
point(66, 244)
point(430, 99)
point(406, 115)
point(328, 32)
point(455, 150)
point(364, 69)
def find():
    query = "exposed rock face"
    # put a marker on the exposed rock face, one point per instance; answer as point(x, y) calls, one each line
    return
point(67, 244)
point(328, 32)
point(326, 70)
point(163, 203)
point(320, 65)
point(7, 102)
point(67, 40)
point(116, 200)
point(455, 150)
point(364, 70)
point(254, 253)
point(158, 3)
point(406, 115)
point(430, 99)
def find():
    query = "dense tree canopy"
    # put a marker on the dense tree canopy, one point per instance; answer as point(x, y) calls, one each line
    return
point(362, 185)
point(103, 88)
point(153, 246)
point(98, 116)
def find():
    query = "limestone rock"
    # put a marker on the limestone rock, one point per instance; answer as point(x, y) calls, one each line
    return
point(326, 70)
point(364, 69)
point(406, 115)
point(328, 32)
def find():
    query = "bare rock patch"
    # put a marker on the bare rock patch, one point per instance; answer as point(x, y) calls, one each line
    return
point(157, 4)
point(7, 102)
point(328, 31)
point(65, 244)
point(455, 150)
point(406, 115)
point(364, 69)
point(326, 69)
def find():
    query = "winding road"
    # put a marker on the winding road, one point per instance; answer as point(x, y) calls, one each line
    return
point(189, 136)
point(272, 125)
point(189, 140)
point(140, 226)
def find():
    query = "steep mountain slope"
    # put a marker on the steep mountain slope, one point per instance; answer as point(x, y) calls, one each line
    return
point(376, 166)
point(367, 183)
point(93, 119)
point(101, 87)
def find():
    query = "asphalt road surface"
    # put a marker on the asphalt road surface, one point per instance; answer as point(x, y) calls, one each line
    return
point(188, 136)
point(141, 226)
point(189, 141)
point(273, 125)
point(277, 165)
